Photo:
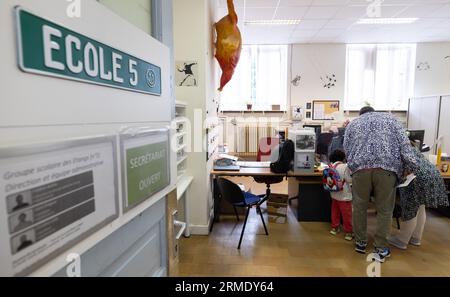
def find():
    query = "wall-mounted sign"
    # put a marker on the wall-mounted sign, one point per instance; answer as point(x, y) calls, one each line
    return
point(145, 161)
point(54, 196)
point(50, 49)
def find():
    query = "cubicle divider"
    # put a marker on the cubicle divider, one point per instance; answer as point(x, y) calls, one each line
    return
point(432, 114)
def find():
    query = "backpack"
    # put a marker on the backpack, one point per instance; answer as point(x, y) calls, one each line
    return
point(332, 181)
point(285, 157)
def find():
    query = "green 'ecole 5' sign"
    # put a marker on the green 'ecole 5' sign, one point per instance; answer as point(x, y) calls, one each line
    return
point(49, 49)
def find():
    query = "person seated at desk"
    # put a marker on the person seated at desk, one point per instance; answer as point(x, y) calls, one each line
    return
point(426, 190)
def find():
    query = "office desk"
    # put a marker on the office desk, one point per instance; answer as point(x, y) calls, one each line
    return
point(313, 207)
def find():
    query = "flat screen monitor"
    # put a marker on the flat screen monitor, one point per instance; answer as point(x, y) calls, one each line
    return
point(317, 128)
point(417, 135)
point(305, 143)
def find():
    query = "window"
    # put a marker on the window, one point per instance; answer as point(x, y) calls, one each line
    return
point(381, 75)
point(260, 79)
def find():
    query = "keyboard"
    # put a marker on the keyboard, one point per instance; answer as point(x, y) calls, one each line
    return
point(253, 164)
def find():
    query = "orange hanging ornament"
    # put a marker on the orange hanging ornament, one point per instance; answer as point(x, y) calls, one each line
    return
point(228, 44)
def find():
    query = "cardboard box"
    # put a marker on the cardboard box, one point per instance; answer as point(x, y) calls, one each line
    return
point(277, 208)
point(278, 219)
point(278, 198)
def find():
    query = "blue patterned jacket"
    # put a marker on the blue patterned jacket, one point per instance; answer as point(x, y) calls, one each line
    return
point(378, 140)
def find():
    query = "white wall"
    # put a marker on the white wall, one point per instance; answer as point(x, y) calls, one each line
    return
point(193, 41)
point(312, 61)
point(436, 80)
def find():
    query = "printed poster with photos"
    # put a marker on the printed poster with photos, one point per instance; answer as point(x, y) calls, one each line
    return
point(53, 196)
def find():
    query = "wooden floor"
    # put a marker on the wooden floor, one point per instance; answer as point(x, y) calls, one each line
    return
point(304, 249)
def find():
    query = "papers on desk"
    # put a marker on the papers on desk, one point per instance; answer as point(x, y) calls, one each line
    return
point(408, 180)
point(253, 164)
point(226, 156)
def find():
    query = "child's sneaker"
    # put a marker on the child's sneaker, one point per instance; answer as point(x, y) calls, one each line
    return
point(381, 254)
point(334, 231)
point(360, 247)
point(414, 241)
point(348, 236)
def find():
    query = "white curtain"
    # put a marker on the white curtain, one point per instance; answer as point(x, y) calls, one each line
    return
point(381, 75)
point(238, 91)
point(260, 79)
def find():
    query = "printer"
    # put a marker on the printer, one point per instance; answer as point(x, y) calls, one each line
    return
point(305, 150)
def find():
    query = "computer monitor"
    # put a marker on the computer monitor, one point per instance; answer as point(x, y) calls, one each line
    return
point(417, 135)
point(317, 128)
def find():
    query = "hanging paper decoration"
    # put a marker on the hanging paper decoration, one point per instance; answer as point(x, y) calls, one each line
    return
point(329, 81)
point(228, 44)
point(423, 66)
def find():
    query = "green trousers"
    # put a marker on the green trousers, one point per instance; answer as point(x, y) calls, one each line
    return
point(382, 184)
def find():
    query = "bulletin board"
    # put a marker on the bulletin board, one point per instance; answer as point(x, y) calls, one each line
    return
point(325, 109)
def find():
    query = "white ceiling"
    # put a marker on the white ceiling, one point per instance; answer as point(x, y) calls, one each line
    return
point(333, 21)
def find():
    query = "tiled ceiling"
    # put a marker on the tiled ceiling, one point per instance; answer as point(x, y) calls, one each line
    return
point(334, 21)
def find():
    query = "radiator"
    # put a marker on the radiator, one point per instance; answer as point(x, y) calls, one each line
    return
point(248, 136)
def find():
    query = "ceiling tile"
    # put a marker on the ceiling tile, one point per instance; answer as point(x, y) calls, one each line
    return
point(351, 12)
point(339, 24)
point(296, 12)
point(304, 33)
point(311, 24)
point(321, 12)
point(335, 21)
point(259, 13)
point(329, 33)
point(261, 3)
point(419, 11)
point(295, 2)
point(237, 3)
point(389, 11)
point(443, 12)
point(329, 2)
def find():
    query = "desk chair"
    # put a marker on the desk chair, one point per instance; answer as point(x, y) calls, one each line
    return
point(236, 197)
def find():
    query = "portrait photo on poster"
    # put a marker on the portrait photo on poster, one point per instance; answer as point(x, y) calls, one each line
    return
point(186, 73)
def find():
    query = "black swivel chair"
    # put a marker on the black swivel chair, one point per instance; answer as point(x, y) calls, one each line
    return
point(236, 197)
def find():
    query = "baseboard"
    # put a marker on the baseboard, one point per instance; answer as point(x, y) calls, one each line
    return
point(202, 229)
point(199, 229)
